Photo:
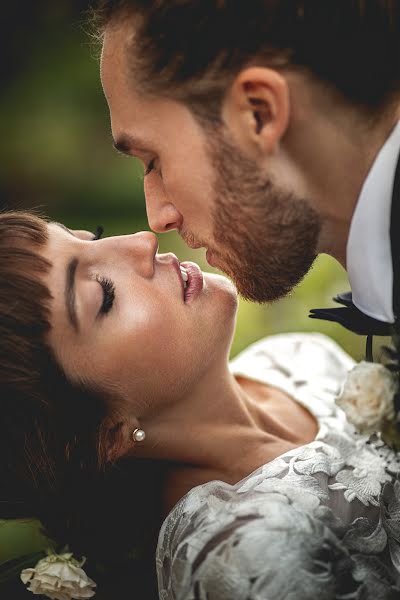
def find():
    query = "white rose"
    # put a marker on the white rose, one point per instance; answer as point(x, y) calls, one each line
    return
point(367, 397)
point(59, 577)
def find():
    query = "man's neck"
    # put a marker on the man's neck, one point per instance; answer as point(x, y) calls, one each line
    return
point(346, 182)
point(328, 152)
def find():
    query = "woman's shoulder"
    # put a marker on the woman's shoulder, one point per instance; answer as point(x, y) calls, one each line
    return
point(312, 353)
point(239, 545)
point(242, 541)
point(309, 367)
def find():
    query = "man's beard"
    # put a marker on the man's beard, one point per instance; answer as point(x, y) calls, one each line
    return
point(266, 238)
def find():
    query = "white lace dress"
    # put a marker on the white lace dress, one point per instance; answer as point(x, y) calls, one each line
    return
point(321, 521)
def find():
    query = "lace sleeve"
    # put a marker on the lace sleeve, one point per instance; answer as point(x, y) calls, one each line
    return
point(271, 550)
point(320, 521)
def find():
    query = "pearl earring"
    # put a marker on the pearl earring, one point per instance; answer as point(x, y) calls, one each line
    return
point(138, 435)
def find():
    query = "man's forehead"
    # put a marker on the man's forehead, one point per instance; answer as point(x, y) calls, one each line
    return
point(111, 55)
point(117, 39)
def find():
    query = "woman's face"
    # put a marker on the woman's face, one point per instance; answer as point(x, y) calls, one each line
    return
point(122, 320)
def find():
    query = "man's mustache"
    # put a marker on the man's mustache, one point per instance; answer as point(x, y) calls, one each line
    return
point(191, 241)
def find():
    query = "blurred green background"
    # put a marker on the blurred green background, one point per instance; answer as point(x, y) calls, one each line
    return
point(56, 153)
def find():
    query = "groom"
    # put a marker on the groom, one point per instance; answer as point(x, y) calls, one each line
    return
point(269, 133)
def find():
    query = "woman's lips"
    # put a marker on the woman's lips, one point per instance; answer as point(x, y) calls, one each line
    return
point(195, 281)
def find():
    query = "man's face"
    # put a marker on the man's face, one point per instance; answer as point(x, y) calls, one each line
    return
point(199, 182)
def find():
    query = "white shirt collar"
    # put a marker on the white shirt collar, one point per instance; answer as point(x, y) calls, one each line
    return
point(369, 256)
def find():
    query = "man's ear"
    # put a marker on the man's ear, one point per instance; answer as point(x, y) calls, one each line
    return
point(257, 109)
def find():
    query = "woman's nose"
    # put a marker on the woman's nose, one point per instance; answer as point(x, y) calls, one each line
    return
point(139, 249)
point(145, 242)
point(144, 247)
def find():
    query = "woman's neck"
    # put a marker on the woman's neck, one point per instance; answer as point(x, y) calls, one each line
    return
point(224, 429)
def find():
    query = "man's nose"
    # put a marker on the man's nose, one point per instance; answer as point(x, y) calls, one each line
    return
point(162, 215)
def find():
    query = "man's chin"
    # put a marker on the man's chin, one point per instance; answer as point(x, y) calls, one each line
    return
point(268, 288)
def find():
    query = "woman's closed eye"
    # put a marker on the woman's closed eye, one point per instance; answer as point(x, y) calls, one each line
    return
point(107, 285)
point(108, 295)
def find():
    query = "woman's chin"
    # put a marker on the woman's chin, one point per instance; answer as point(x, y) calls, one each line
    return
point(222, 287)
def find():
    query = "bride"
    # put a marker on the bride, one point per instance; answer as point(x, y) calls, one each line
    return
point(111, 351)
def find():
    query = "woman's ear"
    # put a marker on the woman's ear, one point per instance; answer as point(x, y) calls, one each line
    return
point(117, 440)
point(257, 110)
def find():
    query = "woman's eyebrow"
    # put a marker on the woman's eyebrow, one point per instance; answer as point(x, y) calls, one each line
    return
point(70, 293)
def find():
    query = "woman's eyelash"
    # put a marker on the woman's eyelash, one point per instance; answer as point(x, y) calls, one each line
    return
point(98, 233)
point(108, 294)
point(150, 167)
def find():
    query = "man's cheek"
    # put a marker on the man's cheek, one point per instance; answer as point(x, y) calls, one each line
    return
point(186, 187)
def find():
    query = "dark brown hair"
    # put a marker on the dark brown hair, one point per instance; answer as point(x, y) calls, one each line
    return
point(38, 403)
point(52, 462)
point(192, 49)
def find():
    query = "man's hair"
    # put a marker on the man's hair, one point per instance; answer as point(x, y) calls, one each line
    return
point(191, 50)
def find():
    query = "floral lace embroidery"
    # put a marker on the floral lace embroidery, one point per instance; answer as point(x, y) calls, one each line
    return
point(321, 521)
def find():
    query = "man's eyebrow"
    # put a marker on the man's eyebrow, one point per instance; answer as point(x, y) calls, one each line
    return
point(127, 143)
point(70, 293)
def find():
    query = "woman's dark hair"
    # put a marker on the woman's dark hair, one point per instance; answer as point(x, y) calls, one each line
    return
point(52, 446)
point(191, 50)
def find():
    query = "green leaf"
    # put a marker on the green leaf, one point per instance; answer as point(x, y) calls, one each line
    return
point(20, 537)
